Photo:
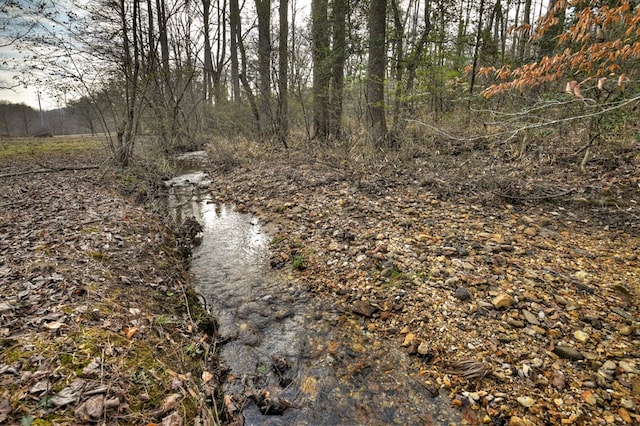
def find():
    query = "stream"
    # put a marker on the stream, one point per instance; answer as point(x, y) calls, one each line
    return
point(293, 359)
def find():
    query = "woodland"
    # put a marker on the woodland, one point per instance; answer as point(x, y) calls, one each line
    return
point(458, 179)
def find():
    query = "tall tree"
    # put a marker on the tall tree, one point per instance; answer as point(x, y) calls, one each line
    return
point(376, 73)
point(234, 36)
point(321, 67)
point(263, 9)
point(283, 75)
point(338, 59)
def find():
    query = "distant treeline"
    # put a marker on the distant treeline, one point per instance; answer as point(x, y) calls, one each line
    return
point(22, 120)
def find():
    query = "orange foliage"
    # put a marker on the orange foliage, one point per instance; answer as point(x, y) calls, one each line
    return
point(602, 41)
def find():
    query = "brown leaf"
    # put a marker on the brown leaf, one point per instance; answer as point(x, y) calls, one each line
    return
point(206, 376)
point(130, 332)
point(5, 409)
point(54, 325)
point(173, 419)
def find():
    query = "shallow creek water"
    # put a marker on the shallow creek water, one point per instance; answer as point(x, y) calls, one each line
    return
point(293, 359)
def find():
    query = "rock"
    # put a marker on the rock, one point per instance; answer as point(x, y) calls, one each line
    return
point(625, 330)
point(519, 421)
point(423, 348)
point(628, 366)
point(568, 353)
point(410, 337)
point(462, 294)
point(530, 231)
point(515, 323)
point(627, 403)
point(503, 301)
point(531, 319)
point(589, 397)
point(363, 308)
point(580, 336)
point(625, 415)
point(526, 401)
point(559, 380)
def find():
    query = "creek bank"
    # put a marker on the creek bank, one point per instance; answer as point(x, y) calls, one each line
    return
point(97, 320)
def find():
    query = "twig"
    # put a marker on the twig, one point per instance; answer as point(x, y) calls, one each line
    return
point(513, 133)
point(13, 203)
point(542, 197)
point(56, 169)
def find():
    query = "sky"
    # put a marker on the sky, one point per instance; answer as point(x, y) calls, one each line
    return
point(17, 17)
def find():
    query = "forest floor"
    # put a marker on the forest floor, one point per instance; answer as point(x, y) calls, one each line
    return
point(97, 321)
point(513, 282)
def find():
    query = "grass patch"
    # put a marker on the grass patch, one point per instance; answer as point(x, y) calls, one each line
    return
point(41, 147)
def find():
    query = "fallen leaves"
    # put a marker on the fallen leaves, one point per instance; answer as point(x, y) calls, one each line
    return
point(80, 292)
point(541, 284)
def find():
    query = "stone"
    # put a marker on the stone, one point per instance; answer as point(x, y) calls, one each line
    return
point(462, 294)
point(580, 336)
point(568, 353)
point(410, 337)
point(530, 231)
point(628, 366)
point(625, 330)
point(515, 323)
point(423, 348)
point(526, 401)
point(519, 421)
point(531, 319)
point(503, 301)
point(589, 397)
point(363, 308)
point(559, 380)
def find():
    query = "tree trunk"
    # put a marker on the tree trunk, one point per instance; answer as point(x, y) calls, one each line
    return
point(476, 48)
point(234, 34)
point(207, 72)
point(283, 75)
point(375, 74)
point(263, 8)
point(526, 32)
point(339, 55)
point(321, 73)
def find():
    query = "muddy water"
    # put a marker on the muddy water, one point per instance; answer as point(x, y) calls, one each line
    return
point(292, 359)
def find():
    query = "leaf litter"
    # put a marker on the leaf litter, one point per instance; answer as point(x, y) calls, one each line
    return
point(524, 311)
point(93, 315)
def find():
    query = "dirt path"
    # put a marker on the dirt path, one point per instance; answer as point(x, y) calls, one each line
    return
point(94, 325)
point(525, 314)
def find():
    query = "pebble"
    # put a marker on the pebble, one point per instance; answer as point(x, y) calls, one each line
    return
point(580, 336)
point(568, 353)
point(531, 319)
point(423, 348)
point(526, 401)
point(515, 323)
point(628, 366)
point(363, 308)
point(503, 301)
point(625, 330)
point(462, 294)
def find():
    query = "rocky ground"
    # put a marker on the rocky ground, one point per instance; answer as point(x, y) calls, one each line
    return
point(97, 322)
point(516, 293)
